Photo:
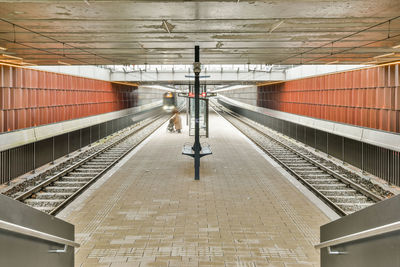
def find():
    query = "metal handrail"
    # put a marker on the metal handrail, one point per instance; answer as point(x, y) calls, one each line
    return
point(37, 234)
point(384, 229)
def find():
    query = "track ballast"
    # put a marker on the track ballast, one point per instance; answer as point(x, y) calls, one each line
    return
point(53, 193)
point(334, 187)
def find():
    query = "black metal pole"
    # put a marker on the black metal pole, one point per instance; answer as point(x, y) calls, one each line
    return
point(196, 146)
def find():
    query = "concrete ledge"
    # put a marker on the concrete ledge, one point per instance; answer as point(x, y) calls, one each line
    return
point(34, 134)
point(369, 136)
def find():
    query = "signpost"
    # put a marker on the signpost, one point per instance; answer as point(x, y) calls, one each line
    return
point(197, 151)
point(196, 146)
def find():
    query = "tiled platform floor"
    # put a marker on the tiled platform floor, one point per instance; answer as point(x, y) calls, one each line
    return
point(151, 212)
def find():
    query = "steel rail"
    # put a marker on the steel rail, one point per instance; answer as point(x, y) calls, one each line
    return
point(313, 162)
point(54, 178)
point(83, 188)
point(58, 176)
point(319, 165)
point(335, 207)
point(331, 172)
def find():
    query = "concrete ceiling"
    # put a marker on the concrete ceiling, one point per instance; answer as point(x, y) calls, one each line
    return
point(164, 32)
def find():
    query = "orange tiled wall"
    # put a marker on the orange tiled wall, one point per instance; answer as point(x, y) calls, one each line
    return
point(30, 97)
point(367, 97)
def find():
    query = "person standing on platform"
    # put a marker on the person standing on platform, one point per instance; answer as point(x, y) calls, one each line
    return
point(177, 121)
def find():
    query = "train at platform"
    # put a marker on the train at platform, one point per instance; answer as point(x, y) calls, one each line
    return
point(169, 101)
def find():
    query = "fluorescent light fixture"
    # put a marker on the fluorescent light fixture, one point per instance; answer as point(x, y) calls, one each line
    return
point(332, 62)
point(27, 63)
point(396, 46)
point(63, 63)
point(7, 64)
point(9, 56)
point(159, 87)
point(233, 87)
point(385, 55)
point(3, 48)
point(8, 60)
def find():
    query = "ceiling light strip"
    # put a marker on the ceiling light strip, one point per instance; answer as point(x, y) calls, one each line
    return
point(332, 62)
point(13, 57)
point(8, 64)
point(385, 55)
point(63, 63)
point(27, 63)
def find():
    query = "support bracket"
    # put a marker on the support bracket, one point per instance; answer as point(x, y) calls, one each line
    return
point(64, 250)
point(332, 252)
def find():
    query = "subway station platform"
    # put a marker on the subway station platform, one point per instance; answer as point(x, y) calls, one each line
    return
point(148, 211)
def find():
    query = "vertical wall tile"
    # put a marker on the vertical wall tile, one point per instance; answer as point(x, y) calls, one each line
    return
point(367, 97)
point(32, 98)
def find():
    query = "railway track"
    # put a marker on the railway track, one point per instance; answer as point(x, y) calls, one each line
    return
point(340, 192)
point(55, 192)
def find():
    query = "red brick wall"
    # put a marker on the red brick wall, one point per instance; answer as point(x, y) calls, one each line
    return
point(30, 97)
point(367, 97)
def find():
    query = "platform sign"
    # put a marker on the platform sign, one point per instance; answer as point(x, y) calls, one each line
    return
point(203, 119)
point(203, 95)
point(198, 116)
